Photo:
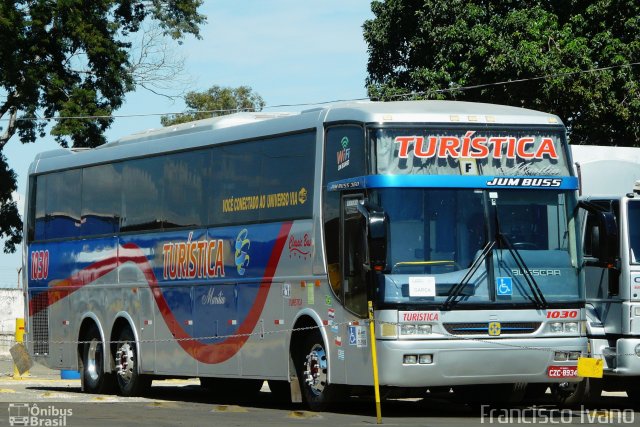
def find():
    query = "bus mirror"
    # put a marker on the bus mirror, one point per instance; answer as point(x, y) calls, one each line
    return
point(604, 240)
point(601, 236)
point(376, 232)
point(607, 238)
point(377, 240)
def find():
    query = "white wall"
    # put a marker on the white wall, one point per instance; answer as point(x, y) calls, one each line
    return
point(11, 307)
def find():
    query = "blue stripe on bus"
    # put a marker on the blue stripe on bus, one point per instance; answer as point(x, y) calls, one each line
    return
point(455, 181)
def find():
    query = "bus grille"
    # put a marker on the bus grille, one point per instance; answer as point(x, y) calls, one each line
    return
point(482, 328)
point(40, 323)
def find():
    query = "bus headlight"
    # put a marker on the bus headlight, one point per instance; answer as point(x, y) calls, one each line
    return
point(424, 329)
point(410, 359)
point(425, 359)
point(571, 327)
point(637, 349)
point(555, 327)
point(636, 311)
point(560, 356)
point(411, 329)
point(407, 329)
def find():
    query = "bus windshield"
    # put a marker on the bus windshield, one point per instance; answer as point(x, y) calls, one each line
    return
point(435, 235)
point(634, 231)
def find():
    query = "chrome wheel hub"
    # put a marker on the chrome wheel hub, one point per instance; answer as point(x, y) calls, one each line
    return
point(315, 369)
point(125, 363)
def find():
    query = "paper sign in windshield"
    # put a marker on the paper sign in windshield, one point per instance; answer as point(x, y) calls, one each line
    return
point(424, 286)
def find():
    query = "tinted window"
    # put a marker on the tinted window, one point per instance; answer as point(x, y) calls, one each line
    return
point(184, 175)
point(266, 180)
point(101, 199)
point(39, 209)
point(62, 207)
point(235, 176)
point(142, 194)
point(287, 171)
point(345, 156)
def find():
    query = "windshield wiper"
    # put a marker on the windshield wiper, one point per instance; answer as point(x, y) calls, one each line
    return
point(457, 289)
point(538, 296)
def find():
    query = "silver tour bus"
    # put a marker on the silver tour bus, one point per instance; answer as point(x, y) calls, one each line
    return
point(245, 248)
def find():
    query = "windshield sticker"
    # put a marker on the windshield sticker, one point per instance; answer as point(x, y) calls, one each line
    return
point(343, 155)
point(479, 147)
point(422, 286)
point(504, 286)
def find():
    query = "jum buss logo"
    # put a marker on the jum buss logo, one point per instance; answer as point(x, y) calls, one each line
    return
point(242, 247)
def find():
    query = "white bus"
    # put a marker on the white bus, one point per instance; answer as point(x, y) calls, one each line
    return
point(245, 248)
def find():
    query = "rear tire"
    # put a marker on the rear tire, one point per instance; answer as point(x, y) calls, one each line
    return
point(312, 366)
point(92, 357)
point(130, 382)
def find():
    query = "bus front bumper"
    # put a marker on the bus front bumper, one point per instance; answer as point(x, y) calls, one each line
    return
point(457, 362)
point(627, 360)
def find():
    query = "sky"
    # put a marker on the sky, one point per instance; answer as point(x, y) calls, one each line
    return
point(288, 51)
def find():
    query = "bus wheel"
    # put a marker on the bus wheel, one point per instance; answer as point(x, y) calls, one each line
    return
point(94, 379)
point(313, 374)
point(130, 382)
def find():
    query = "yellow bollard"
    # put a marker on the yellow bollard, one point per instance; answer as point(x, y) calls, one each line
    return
point(374, 357)
point(19, 339)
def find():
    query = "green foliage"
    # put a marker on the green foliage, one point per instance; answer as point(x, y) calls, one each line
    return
point(10, 223)
point(216, 101)
point(70, 58)
point(427, 49)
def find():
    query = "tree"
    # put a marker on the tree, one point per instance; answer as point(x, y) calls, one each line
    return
point(71, 60)
point(216, 101)
point(429, 49)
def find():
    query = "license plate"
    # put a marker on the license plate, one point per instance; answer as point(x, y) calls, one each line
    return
point(562, 371)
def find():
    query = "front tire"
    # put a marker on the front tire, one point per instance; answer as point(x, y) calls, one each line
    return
point(312, 366)
point(130, 381)
point(93, 377)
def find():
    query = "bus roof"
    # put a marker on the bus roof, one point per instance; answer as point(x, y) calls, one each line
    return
point(244, 125)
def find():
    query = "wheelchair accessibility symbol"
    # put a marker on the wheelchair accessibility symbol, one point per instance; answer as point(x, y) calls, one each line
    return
point(504, 286)
point(353, 335)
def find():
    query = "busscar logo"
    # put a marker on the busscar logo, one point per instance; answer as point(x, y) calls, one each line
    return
point(27, 414)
